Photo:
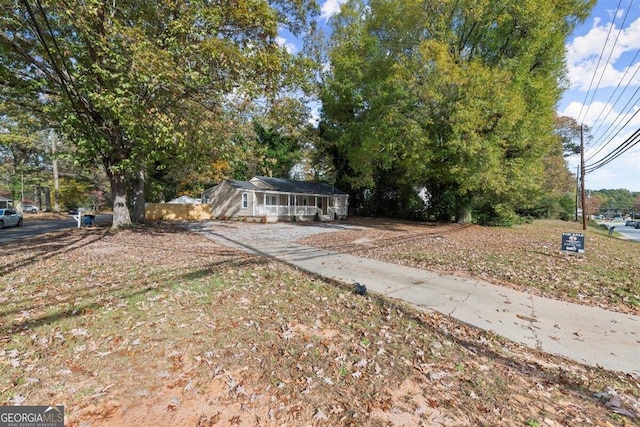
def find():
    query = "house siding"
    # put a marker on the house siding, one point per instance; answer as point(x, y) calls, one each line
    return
point(275, 199)
point(226, 201)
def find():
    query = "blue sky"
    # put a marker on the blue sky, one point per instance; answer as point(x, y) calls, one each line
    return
point(603, 59)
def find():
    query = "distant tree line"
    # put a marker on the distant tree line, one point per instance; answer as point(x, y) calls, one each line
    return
point(613, 202)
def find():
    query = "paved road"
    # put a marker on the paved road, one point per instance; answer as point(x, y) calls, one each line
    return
point(589, 335)
point(33, 227)
point(627, 232)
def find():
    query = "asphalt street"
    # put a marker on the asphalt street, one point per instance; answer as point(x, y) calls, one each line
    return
point(627, 232)
point(33, 227)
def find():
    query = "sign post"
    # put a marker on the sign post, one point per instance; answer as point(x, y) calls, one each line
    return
point(78, 218)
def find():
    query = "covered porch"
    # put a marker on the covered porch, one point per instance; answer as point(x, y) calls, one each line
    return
point(289, 206)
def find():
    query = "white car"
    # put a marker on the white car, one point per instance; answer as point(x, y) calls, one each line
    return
point(9, 218)
point(30, 208)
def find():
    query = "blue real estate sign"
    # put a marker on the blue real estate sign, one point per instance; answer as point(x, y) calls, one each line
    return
point(573, 242)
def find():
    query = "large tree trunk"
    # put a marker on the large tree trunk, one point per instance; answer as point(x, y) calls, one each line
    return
point(138, 197)
point(121, 215)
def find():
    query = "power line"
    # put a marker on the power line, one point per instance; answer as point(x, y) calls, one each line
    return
point(604, 139)
point(629, 143)
point(611, 125)
point(620, 129)
point(595, 131)
point(624, 20)
point(586, 95)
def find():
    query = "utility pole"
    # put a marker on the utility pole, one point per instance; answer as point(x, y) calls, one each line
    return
point(584, 210)
point(577, 190)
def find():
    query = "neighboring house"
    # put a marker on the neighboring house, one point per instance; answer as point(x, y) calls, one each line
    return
point(276, 199)
point(184, 200)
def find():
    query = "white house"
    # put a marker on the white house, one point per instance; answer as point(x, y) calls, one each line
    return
point(276, 199)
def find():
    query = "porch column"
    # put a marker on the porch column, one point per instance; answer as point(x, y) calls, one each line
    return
point(254, 202)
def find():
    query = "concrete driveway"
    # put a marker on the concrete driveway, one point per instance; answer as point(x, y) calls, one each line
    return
point(588, 335)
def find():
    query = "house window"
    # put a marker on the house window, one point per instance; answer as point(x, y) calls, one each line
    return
point(271, 200)
point(245, 200)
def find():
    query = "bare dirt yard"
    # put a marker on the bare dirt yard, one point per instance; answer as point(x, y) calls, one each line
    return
point(155, 326)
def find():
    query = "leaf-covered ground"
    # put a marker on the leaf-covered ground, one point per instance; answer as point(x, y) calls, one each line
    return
point(526, 257)
point(159, 327)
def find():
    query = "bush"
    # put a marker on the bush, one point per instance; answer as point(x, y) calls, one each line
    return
point(499, 215)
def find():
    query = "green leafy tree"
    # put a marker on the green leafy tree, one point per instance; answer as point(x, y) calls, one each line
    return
point(26, 158)
point(280, 135)
point(24, 153)
point(556, 198)
point(454, 96)
point(279, 152)
point(129, 82)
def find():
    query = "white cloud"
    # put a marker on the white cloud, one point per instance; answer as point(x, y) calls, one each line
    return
point(330, 8)
point(289, 46)
point(620, 173)
point(583, 54)
point(600, 111)
point(604, 121)
point(609, 114)
point(619, 13)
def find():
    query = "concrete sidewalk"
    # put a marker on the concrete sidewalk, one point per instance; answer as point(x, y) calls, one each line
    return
point(589, 335)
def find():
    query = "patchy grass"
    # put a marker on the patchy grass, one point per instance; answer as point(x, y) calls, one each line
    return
point(155, 326)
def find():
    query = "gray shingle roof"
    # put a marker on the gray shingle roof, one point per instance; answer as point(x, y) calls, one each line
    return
point(243, 185)
point(306, 187)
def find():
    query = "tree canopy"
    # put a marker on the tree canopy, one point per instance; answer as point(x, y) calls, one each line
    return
point(453, 96)
point(618, 200)
point(131, 83)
